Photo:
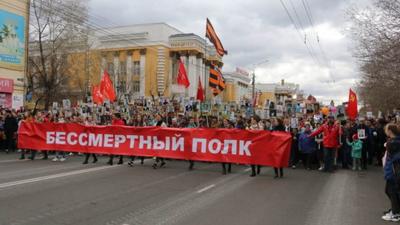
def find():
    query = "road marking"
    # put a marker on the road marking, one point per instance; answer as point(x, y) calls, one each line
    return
point(12, 160)
point(54, 176)
point(205, 188)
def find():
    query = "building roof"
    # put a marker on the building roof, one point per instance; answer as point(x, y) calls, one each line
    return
point(134, 35)
point(266, 87)
point(237, 76)
point(141, 24)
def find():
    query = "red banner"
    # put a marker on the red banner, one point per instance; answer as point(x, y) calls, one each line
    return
point(214, 145)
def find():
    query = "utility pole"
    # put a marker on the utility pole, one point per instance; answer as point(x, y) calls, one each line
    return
point(254, 77)
point(253, 81)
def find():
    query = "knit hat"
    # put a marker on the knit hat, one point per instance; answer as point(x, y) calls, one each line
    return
point(355, 137)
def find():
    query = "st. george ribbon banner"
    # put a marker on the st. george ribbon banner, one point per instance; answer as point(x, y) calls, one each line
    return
point(213, 145)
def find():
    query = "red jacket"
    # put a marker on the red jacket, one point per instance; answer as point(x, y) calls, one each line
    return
point(118, 122)
point(331, 135)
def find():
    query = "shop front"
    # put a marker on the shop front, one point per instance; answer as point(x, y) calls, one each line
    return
point(6, 91)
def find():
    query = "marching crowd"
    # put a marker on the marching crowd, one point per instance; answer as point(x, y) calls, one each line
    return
point(324, 143)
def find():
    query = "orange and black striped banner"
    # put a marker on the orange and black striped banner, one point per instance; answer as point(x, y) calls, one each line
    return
point(216, 81)
point(212, 36)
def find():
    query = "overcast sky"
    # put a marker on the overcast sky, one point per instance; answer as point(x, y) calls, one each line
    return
point(255, 30)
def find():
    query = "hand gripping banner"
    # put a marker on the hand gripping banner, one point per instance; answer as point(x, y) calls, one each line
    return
point(213, 145)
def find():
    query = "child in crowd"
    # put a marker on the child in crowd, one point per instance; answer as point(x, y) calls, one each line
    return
point(356, 147)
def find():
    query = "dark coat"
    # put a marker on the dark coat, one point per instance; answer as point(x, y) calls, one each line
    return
point(10, 125)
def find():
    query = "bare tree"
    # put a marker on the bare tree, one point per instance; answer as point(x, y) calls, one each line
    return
point(376, 31)
point(56, 32)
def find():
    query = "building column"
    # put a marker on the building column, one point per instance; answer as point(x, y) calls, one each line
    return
point(129, 72)
point(170, 74)
point(142, 72)
point(103, 64)
point(116, 70)
point(200, 73)
point(192, 64)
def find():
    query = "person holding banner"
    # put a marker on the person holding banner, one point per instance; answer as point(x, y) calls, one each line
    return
point(137, 122)
point(27, 119)
point(226, 167)
point(191, 124)
point(117, 121)
point(39, 118)
point(254, 125)
point(89, 122)
point(159, 123)
point(279, 126)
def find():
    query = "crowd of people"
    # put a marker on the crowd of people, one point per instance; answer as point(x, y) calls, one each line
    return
point(323, 143)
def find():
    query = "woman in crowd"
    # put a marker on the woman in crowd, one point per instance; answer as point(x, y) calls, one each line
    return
point(307, 146)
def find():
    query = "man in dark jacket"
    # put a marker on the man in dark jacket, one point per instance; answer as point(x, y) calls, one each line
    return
point(381, 139)
point(366, 143)
point(10, 130)
point(391, 172)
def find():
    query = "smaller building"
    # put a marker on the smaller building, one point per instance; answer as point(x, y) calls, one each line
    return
point(280, 98)
point(13, 33)
point(237, 87)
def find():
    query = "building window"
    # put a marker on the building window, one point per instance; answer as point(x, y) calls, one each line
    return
point(136, 86)
point(136, 68)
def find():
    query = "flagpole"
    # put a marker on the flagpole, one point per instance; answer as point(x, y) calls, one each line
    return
point(205, 74)
point(205, 66)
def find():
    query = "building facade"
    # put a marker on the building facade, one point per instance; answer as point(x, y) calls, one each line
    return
point(13, 52)
point(142, 60)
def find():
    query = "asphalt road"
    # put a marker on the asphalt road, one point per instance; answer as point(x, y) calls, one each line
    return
point(56, 193)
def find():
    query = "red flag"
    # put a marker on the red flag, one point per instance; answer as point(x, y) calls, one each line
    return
point(107, 88)
point(352, 110)
point(182, 78)
point(200, 92)
point(96, 95)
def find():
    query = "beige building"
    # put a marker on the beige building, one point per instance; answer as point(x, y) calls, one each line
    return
point(13, 52)
point(237, 87)
point(286, 97)
point(142, 60)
